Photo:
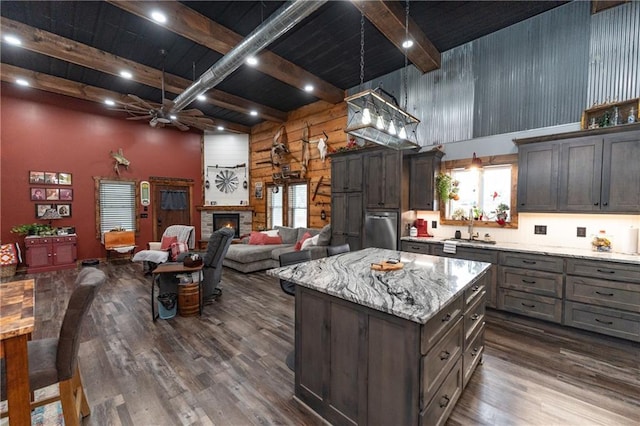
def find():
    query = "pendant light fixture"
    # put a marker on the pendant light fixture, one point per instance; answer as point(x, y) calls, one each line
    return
point(375, 115)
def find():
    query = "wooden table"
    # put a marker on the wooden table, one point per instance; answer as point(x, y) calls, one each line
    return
point(174, 268)
point(17, 301)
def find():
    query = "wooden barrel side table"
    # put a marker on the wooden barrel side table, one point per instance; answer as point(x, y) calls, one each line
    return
point(188, 299)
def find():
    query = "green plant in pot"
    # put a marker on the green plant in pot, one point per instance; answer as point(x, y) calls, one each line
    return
point(501, 211)
point(443, 186)
point(31, 229)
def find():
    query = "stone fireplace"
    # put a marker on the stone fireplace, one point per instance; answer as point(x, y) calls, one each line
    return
point(227, 220)
point(209, 220)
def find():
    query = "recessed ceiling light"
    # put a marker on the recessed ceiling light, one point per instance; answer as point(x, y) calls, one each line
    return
point(173, 117)
point(220, 128)
point(109, 102)
point(22, 82)
point(308, 88)
point(11, 39)
point(253, 112)
point(252, 60)
point(158, 16)
point(407, 44)
point(126, 74)
point(202, 98)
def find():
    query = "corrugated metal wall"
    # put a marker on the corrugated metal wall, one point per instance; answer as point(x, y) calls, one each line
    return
point(538, 73)
point(614, 71)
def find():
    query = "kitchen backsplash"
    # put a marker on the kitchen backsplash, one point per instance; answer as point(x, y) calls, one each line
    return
point(561, 229)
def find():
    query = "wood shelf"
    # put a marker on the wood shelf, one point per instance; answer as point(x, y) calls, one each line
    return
point(225, 208)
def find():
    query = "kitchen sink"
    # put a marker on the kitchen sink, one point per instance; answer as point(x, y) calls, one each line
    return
point(464, 240)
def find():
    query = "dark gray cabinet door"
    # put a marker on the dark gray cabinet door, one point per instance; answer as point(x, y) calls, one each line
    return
point(423, 168)
point(621, 173)
point(538, 177)
point(382, 171)
point(580, 172)
point(346, 173)
point(346, 219)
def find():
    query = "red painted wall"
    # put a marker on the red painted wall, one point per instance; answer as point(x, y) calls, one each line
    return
point(47, 132)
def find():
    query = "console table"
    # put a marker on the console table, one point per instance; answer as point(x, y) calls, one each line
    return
point(51, 253)
point(174, 268)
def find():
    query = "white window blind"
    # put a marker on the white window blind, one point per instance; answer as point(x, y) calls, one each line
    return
point(117, 205)
point(275, 207)
point(297, 200)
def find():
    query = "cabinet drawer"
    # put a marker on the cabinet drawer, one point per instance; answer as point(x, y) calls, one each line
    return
point(439, 361)
point(613, 322)
point(611, 294)
point(543, 283)
point(606, 270)
point(479, 255)
point(64, 239)
point(542, 307)
point(437, 326)
point(532, 261)
point(444, 400)
point(37, 241)
point(414, 247)
point(476, 291)
point(473, 319)
point(472, 354)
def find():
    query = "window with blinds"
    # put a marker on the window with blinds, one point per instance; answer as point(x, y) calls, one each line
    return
point(275, 207)
point(297, 202)
point(117, 205)
point(291, 199)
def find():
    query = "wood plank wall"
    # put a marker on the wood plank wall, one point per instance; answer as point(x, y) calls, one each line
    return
point(321, 116)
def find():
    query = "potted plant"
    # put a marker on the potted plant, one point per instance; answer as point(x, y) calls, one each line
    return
point(443, 186)
point(32, 229)
point(501, 211)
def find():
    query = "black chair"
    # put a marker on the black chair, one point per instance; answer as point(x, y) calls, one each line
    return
point(342, 248)
point(55, 360)
point(217, 247)
point(288, 287)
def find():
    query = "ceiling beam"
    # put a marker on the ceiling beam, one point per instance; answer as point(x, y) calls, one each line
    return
point(198, 28)
point(61, 86)
point(389, 18)
point(55, 46)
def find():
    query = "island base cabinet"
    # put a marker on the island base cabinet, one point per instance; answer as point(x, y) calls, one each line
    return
point(613, 322)
point(440, 407)
point(472, 355)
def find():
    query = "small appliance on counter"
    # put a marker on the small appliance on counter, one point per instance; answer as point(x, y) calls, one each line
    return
point(421, 226)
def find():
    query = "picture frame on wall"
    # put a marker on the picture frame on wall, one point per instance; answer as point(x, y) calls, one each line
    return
point(64, 178)
point(36, 177)
point(64, 210)
point(51, 178)
point(38, 194)
point(41, 208)
point(53, 194)
point(66, 194)
point(258, 192)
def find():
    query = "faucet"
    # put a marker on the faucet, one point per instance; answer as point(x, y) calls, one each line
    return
point(472, 236)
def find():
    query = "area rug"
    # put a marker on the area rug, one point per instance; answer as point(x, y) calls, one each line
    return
point(48, 415)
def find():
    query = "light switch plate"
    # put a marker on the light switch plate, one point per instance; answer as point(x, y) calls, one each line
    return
point(434, 224)
point(540, 229)
point(581, 231)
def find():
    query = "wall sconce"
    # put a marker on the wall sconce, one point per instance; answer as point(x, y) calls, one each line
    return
point(476, 163)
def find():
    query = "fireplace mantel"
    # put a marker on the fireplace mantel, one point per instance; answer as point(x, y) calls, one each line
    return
point(225, 208)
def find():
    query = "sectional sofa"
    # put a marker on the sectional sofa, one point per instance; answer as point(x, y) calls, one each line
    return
point(245, 257)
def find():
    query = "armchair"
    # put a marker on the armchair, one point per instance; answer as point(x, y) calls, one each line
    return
point(156, 254)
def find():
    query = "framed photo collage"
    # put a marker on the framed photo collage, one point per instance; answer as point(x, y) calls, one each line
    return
point(51, 190)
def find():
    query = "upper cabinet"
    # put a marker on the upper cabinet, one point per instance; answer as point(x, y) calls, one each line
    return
point(590, 174)
point(382, 175)
point(346, 172)
point(423, 169)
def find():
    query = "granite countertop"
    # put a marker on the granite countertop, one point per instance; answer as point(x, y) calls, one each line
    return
point(548, 250)
point(416, 292)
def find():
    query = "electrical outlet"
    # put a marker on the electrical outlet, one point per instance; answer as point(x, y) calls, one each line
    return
point(434, 224)
point(540, 229)
point(581, 231)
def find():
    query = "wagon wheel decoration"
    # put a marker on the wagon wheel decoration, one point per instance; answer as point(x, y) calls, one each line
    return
point(226, 181)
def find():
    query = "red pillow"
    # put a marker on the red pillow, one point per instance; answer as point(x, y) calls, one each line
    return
point(299, 243)
point(167, 241)
point(177, 248)
point(257, 238)
point(272, 240)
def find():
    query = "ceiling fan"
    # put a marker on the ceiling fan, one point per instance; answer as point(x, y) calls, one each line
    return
point(160, 114)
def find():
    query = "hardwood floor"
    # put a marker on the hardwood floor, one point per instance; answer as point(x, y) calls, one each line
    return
point(227, 368)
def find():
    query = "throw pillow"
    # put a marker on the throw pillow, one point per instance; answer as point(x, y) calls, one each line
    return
point(271, 232)
point(257, 238)
point(324, 236)
point(167, 241)
point(289, 235)
point(272, 240)
point(299, 243)
point(310, 242)
point(177, 248)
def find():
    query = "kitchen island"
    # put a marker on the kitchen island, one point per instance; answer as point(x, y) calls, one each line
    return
point(393, 347)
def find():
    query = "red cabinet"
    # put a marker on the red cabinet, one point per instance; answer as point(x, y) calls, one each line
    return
point(51, 253)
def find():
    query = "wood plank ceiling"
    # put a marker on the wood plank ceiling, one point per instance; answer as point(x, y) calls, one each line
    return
point(78, 48)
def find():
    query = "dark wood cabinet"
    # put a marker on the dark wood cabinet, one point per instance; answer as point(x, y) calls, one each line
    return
point(621, 173)
point(346, 173)
point(50, 253)
point(580, 176)
point(346, 219)
point(538, 177)
point(423, 168)
point(382, 177)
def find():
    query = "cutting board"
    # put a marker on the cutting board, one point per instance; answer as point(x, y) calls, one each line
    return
point(386, 266)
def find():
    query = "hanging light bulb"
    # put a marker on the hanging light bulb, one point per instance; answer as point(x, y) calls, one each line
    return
point(380, 122)
point(403, 133)
point(366, 116)
point(392, 128)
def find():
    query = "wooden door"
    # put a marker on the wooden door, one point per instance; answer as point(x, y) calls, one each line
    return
point(171, 204)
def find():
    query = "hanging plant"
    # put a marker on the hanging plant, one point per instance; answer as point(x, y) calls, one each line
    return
point(443, 186)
